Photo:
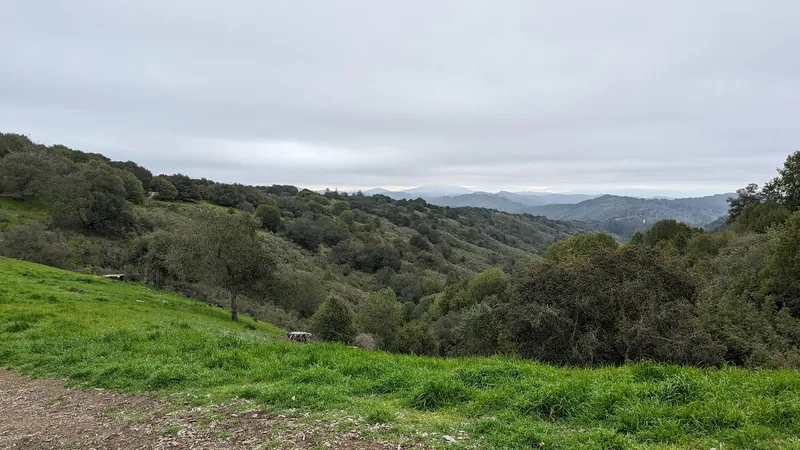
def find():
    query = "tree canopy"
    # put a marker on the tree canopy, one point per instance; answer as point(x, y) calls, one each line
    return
point(222, 249)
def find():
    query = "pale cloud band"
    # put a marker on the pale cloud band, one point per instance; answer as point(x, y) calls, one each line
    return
point(695, 96)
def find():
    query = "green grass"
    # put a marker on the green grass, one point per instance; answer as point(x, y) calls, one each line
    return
point(14, 211)
point(126, 337)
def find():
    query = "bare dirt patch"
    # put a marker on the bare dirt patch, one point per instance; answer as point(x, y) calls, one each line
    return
point(43, 414)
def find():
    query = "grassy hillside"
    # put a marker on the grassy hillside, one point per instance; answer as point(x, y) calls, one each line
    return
point(13, 212)
point(127, 337)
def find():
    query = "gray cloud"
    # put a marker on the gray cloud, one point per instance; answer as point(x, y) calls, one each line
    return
point(695, 96)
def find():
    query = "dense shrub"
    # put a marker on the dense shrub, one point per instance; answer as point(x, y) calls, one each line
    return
point(163, 189)
point(479, 331)
point(187, 189)
point(333, 321)
point(270, 217)
point(366, 341)
point(25, 173)
point(32, 242)
point(298, 291)
point(415, 338)
point(611, 307)
point(93, 197)
point(490, 282)
point(380, 315)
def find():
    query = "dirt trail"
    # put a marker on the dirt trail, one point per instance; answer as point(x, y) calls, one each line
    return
point(43, 414)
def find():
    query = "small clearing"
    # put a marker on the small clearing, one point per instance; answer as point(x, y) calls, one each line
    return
point(43, 414)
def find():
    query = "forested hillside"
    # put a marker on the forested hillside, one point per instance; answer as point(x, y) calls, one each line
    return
point(694, 211)
point(625, 215)
point(455, 196)
point(480, 200)
point(81, 211)
point(411, 277)
point(621, 216)
point(512, 202)
point(544, 198)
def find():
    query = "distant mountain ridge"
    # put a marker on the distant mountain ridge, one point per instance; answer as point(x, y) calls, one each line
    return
point(623, 216)
point(425, 192)
point(457, 196)
point(544, 198)
point(617, 214)
point(480, 200)
point(694, 211)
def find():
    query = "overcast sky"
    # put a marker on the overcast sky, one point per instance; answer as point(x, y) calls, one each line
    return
point(694, 96)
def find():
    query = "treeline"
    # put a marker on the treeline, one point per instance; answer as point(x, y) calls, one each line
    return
point(104, 216)
point(411, 277)
point(675, 294)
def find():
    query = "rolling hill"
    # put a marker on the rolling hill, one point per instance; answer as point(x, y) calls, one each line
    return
point(620, 215)
point(543, 198)
point(457, 196)
point(511, 202)
point(694, 211)
point(480, 200)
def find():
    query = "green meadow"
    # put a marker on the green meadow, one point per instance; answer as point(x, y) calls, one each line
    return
point(130, 338)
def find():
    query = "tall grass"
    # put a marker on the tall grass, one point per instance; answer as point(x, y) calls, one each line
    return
point(129, 338)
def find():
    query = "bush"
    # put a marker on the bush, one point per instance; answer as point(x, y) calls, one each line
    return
point(32, 242)
point(784, 266)
point(26, 173)
point(299, 291)
point(419, 242)
point(479, 331)
point(163, 189)
point(610, 307)
point(366, 341)
point(415, 338)
point(669, 231)
point(380, 316)
point(304, 232)
point(187, 188)
point(141, 173)
point(581, 246)
point(487, 283)
point(270, 217)
point(134, 191)
point(333, 321)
